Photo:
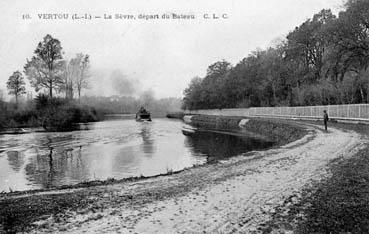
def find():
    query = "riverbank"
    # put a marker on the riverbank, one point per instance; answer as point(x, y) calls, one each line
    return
point(52, 114)
point(28, 207)
point(175, 115)
point(338, 203)
point(273, 130)
point(237, 194)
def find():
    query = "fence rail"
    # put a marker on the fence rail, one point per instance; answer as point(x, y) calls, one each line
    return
point(358, 112)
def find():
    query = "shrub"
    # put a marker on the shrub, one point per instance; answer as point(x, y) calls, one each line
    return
point(2, 116)
point(59, 118)
point(54, 114)
point(25, 118)
point(41, 101)
point(63, 115)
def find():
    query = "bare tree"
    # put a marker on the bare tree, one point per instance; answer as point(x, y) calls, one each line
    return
point(84, 74)
point(67, 80)
point(72, 71)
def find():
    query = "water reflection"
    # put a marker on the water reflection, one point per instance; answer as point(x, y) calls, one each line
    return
point(218, 146)
point(147, 138)
point(55, 167)
point(111, 149)
point(15, 160)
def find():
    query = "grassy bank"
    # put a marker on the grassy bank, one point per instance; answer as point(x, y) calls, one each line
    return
point(338, 204)
point(341, 202)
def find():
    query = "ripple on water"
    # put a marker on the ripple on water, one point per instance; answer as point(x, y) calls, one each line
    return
point(110, 149)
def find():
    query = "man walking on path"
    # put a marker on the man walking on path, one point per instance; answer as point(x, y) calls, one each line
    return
point(325, 117)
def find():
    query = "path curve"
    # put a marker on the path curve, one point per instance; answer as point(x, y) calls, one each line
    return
point(234, 196)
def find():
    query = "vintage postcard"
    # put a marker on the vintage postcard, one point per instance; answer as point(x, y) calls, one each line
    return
point(184, 116)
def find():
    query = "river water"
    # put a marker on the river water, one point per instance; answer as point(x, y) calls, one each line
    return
point(110, 149)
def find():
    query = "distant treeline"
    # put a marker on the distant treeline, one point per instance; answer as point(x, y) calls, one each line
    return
point(323, 61)
point(130, 105)
point(61, 114)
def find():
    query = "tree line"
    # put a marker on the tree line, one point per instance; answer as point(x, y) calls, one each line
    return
point(48, 71)
point(58, 81)
point(322, 61)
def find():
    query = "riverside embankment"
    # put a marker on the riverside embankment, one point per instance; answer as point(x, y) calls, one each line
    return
point(237, 195)
point(277, 131)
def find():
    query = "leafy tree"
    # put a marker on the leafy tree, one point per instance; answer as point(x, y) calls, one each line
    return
point(213, 83)
point(325, 60)
point(307, 45)
point(16, 85)
point(192, 94)
point(351, 43)
point(44, 70)
point(218, 69)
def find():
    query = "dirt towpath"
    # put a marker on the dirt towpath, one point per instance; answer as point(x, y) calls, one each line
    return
point(234, 196)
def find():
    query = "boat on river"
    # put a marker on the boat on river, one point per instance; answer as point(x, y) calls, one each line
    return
point(143, 115)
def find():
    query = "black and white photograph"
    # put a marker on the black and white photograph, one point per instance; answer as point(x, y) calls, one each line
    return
point(184, 116)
